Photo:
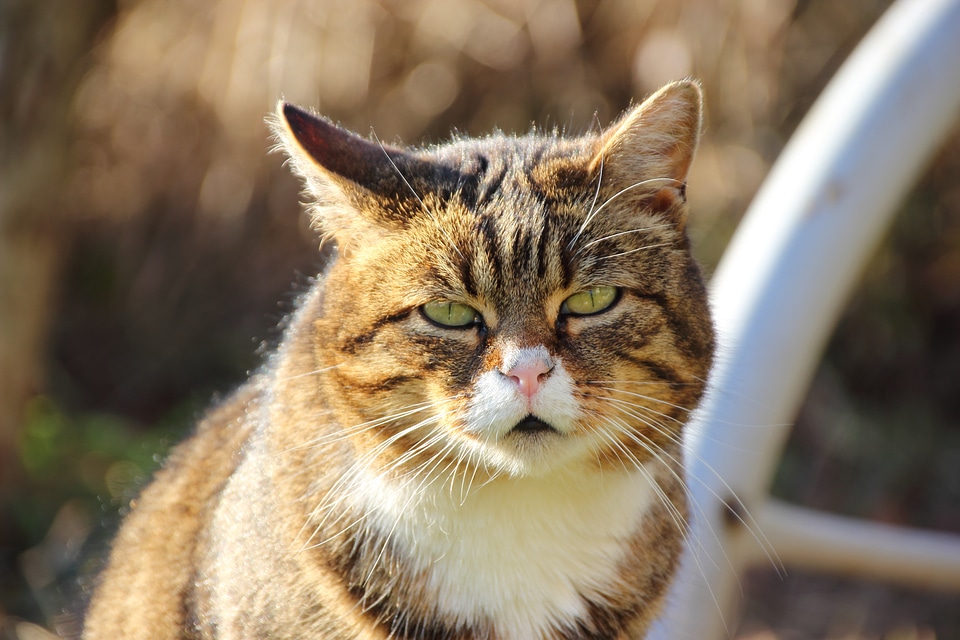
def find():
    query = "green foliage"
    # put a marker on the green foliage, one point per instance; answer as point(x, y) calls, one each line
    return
point(100, 459)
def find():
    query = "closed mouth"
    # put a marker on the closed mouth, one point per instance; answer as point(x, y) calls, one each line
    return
point(531, 425)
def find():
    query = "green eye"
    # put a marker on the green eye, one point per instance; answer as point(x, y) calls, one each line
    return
point(589, 301)
point(450, 314)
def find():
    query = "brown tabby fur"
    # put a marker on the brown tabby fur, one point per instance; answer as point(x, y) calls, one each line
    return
point(262, 524)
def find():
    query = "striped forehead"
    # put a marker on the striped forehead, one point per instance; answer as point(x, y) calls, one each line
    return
point(504, 227)
point(517, 243)
point(513, 241)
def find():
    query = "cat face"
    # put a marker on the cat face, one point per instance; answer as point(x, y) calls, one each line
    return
point(513, 305)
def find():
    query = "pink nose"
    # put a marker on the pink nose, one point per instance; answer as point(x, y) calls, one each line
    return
point(528, 375)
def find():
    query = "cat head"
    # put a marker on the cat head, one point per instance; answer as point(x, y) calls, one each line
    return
point(516, 304)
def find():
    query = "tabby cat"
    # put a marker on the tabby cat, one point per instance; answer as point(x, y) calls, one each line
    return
point(472, 426)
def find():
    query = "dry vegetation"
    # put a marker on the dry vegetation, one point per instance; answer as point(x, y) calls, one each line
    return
point(137, 265)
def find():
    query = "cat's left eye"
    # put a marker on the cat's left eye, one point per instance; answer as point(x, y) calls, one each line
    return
point(450, 314)
point(590, 301)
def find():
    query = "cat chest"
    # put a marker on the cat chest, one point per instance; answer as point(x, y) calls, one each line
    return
point(523, 556)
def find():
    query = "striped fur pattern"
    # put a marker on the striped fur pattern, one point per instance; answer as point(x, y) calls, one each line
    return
point(508, 471)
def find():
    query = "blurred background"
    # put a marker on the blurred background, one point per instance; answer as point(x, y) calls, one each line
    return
point(149, 244)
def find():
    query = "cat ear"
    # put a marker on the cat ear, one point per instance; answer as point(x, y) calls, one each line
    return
point(359, 187)
point(649, 151)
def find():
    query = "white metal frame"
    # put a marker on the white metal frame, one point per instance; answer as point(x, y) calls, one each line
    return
point(777, 294)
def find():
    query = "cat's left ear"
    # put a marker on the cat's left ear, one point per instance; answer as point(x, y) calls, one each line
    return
point(649, 151)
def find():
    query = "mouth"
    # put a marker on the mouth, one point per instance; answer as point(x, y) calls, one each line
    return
point(532, 426)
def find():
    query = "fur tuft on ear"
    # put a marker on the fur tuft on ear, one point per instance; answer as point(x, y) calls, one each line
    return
point(648, 152)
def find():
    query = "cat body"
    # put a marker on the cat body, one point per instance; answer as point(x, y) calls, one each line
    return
point(471, 428)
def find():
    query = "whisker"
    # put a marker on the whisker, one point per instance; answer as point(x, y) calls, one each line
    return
point(595, 212)
point(659, 414)
point(359, 428)
point(714, 439)
point(650, 447)
point(334, 536)
point(678, 518)
point(473, 477)
point(341, 491)
point(644, 397)
point(655, 383)
point(747, 520)
point(596, 196)
point(310, 373)
point(643, 248)
point(437, 457)
point(618, 234)
point(675, 514)
point(416, 195)
point(397, 169)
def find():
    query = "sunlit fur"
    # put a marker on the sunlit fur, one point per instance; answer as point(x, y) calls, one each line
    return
point(372, 481)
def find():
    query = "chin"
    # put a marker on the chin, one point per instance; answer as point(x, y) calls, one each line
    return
point(537, 454)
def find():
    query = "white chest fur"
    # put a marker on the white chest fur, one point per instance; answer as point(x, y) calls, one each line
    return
point(521, 551)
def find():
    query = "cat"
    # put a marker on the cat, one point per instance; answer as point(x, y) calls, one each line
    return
point(471, 428)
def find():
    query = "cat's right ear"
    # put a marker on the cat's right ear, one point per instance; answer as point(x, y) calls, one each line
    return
point(358, 186)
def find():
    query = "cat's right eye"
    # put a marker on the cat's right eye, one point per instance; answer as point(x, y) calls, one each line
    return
point(450, 314)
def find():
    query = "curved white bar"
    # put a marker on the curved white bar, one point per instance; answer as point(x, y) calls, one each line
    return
point(828, 542)
point(789, 269)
